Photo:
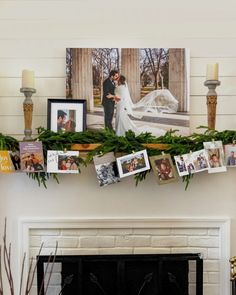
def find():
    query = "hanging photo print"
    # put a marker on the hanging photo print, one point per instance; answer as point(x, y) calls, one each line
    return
point(230, 155)
point(106, 169)
point(31, 156)
point(163, 168)
point(133, 163)
point(138, 89)
point(181, 165)
point(63, 162)
point(215, 155)
point(200, 161)
point(188, 159)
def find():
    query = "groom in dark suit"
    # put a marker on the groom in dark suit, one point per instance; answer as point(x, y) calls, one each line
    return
point(109, 98)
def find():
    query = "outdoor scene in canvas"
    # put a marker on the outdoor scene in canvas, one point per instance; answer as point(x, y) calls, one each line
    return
point(138, 89)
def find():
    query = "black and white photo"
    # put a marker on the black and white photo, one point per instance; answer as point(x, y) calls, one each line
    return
point(106, 169)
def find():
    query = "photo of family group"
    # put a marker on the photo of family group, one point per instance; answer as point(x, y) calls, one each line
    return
point(63, 162)
point(138, 89)
point(133, 163)
point(200, 160)
point(106, 169)
point(192, 163)
point(68, 163)
point(163, 168)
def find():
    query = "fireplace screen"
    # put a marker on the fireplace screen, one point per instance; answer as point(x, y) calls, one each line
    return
point(154, 274)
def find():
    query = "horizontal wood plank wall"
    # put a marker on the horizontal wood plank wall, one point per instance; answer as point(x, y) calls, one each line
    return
point(35, 33)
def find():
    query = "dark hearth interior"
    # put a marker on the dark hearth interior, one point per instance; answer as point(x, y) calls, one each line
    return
point(154, 274)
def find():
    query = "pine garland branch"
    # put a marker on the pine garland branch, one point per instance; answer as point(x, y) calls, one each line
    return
point(110, 142)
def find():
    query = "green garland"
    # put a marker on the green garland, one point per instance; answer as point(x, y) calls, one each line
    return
point(110, 142)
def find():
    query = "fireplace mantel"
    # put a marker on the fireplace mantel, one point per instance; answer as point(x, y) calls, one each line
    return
point(174, 227)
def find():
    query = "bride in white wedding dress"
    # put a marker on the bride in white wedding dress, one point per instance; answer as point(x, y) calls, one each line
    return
point(125, 107)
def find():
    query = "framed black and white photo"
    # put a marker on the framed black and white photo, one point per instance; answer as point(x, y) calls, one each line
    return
point(66, 115)
point(133, 163)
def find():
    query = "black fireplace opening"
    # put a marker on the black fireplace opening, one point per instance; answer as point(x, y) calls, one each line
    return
point(141, 274)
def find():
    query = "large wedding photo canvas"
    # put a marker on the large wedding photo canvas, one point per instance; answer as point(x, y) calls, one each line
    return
point(138, 89)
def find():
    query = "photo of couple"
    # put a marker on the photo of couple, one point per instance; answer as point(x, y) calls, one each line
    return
point(67, 163)
point(163, 168)
point(31, 157)
point(66, 120)
point(138, 89)
point(63, 162)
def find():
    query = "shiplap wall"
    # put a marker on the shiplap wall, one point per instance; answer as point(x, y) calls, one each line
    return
point(35, 33)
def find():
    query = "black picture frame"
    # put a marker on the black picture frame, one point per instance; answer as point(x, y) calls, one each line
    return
point(60, 109)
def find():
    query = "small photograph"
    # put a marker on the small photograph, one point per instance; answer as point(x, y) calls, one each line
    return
point(5, 162)
point(133, 163)
point(31, 156)
point(106, 169)
point(189, 163)
point(163, 168)
point(200, 160)
point(67, 115)
point(215, 155)
point(63, 162)
point(181, 165)
point(15, 158)
point(66, 120)
point(230, 155)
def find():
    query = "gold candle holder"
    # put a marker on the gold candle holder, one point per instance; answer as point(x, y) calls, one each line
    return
point(28, 112)
point(211, 102)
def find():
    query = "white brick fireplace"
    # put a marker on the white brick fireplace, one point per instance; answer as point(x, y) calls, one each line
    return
point(210, 237)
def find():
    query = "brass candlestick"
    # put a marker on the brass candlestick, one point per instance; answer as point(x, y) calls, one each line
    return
point(28, 112)
point(211, 102)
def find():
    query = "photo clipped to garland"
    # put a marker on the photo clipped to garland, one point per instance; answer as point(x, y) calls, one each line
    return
point(133, 163)
point(215, 154)
point(63, 162)
point(106, 169)
point(163, 168)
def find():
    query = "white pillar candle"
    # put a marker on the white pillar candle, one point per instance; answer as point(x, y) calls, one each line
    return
point(27, 79)
point(212, 72)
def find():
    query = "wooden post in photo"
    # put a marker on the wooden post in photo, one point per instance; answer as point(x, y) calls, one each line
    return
point(82, 75)
point(130, 68)
point(178, 77)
